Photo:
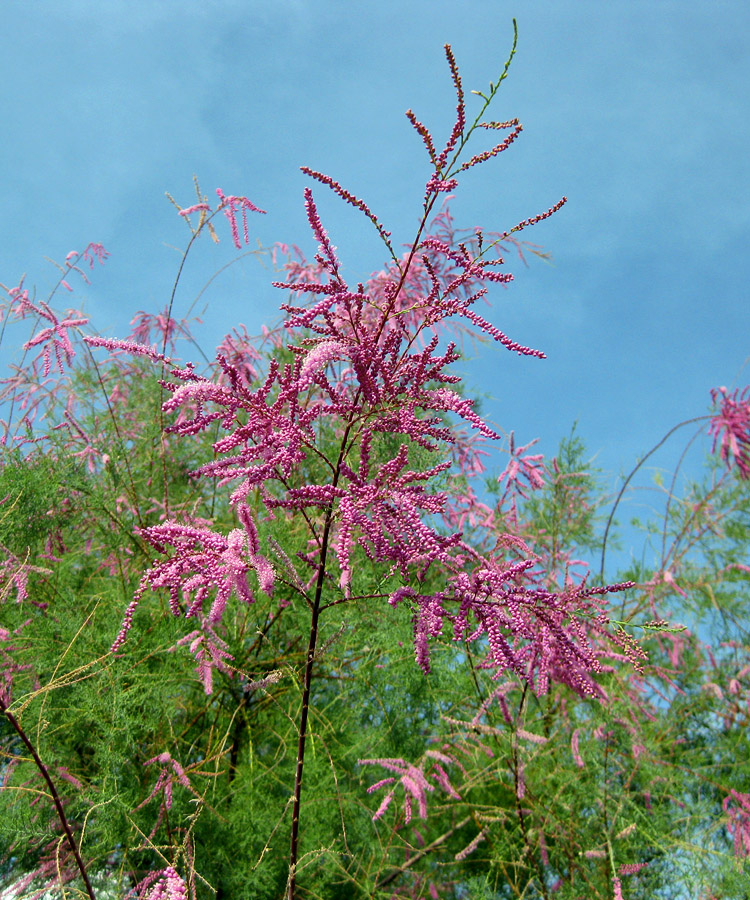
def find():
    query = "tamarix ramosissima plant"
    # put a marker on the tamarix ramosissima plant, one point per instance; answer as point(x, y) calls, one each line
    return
point(314, 440)
point(312, 503)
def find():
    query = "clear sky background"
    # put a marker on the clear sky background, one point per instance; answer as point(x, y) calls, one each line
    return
point(636, 110)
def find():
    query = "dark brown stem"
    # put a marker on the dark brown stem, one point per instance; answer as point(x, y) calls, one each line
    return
point(294, 845)
point(55, 796)
point(316, 610)
point(301, 749)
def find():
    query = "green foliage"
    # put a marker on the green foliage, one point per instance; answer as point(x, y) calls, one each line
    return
point(645, 789)
point(552, 793)
point(37, 500)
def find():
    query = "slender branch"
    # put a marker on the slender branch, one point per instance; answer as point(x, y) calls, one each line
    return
point(422, 853)
point(670, 496)
point(55, 796)
point(630, 476)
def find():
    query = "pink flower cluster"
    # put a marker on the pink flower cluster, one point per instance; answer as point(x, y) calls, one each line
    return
point(365, 367)
point(163, 885)
point(737, 808)
point(204, 561)
point(357, 365)
point(731, 427)
point(414, 781)
point(54, 340)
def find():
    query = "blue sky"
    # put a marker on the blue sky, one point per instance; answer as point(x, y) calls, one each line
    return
point(636, 111)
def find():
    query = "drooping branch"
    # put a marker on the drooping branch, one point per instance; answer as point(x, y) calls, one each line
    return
point(16, 725)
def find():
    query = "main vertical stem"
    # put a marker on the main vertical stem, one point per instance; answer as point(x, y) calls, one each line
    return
point(294, 844)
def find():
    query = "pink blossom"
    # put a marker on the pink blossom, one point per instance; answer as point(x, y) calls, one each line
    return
point(209, 650)
point(349, 198)
point(471, 846)
point(237, 353)
point(231, 206)
point(163, 885)
point(529, 467)
point(171, 772)
point(732, 425)
point(203, 562)
point(162, 326)
point(460, 123)
point(414, 782)
point(520, 780)
point(131, 347)
point(737, 808)
point(55, 338)
point(393, 379)
point(631, 868)
point(194, 208)
point(95, 251)
point(498, 148)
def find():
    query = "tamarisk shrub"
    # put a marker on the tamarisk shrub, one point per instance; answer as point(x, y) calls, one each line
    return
point(312, 504)
point(330, 435)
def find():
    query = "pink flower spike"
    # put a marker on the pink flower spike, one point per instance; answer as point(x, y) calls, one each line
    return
point(95, 251)
point(349, 198)
point(127, 347)
point(437, 183)
point(55, 338)
point(529, 467)
point(231, 205)
point(413, 781)
point(424, 134)
point(191, 209)
point(632, 868)
point(737, 808)
point(164, 885)
point(471, 847)
point(731, 425)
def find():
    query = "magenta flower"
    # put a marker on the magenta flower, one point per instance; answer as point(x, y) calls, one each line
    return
point(737, 808)
point(204, 564)
point(14, 573)
point(414, 782)
point(165, 328)
point(732, 425)
point(171, 772)
point(231, 206)
point(55, 337)
point(163, 885)
point(364, 368)
point(529, 467)
point(239, 353)
point(360, 365)
point(92, 252)
point(210, 652)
